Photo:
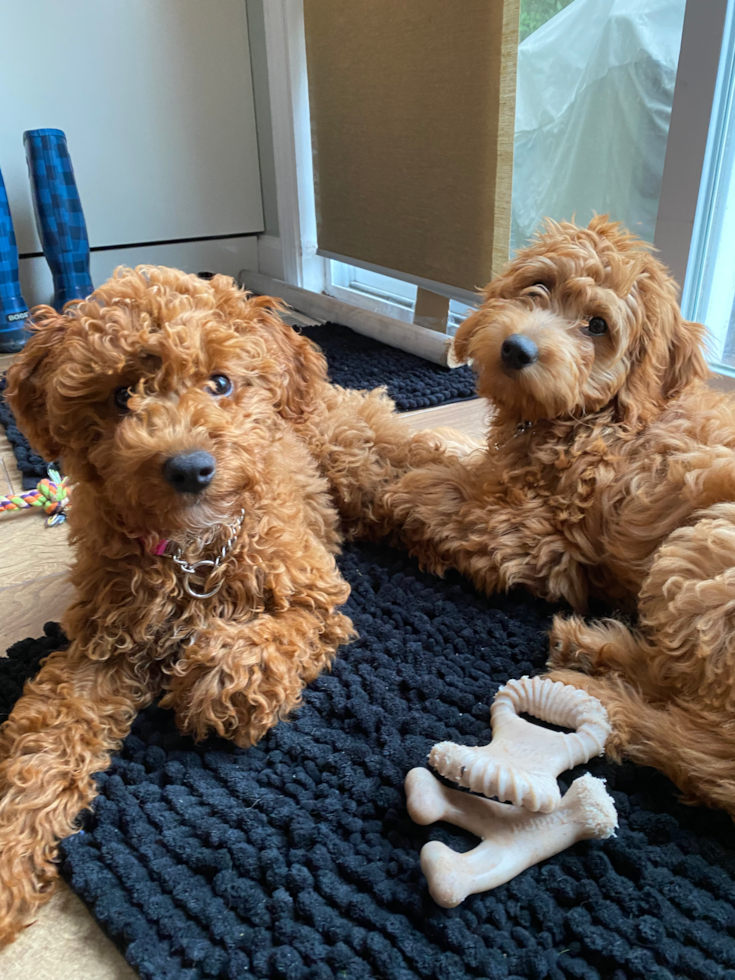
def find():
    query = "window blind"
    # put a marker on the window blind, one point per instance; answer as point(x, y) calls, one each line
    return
point(412, 113)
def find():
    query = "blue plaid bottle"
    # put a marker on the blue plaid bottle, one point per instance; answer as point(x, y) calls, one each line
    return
point(13, 308)
point(59, 215)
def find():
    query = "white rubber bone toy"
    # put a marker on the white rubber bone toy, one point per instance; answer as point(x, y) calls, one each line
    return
point(513, 839)
point(522, 762)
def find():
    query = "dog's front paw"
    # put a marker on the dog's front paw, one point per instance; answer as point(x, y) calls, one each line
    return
point(567, 655)
point(565, 647)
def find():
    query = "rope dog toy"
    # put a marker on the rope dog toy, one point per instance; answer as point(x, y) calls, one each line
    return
point(51, 494)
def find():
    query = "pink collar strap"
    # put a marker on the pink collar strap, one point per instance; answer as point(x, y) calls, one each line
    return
point(155, 547)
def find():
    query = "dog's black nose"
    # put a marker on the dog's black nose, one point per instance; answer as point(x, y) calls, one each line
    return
point(518, 351)
point(190, 472)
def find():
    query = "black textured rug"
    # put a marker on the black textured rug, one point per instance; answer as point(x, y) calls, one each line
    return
point(361, 362)
point(354, 362)
point(32, 466)
point(297, 859)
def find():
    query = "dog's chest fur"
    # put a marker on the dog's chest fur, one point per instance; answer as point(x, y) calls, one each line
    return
point(131, 600)
point(607, 496)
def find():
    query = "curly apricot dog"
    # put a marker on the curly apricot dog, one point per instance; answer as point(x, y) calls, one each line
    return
point(609, 471)
point(184, 412)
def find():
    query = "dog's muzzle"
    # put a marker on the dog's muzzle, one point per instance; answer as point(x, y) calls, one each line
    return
point(190, 472)
point(518, 352)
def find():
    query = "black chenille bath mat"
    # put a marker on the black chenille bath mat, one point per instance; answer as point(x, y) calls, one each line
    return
point(360, 362)
point(354, 362)
point(32, 466)
point(297, 859)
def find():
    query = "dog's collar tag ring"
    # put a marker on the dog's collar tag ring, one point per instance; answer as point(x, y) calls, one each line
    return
point(193, 568)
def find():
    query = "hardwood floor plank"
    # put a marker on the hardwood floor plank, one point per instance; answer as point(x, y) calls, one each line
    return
point(6, 452)
point(469, 417)
point(65, 943)
point(26, 607)
point(30, 550)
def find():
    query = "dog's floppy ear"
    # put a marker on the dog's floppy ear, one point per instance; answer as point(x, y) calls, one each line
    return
point(463, 337)
point(30, 377)
point(686, 357)
point(303, 366)
point(670, 351)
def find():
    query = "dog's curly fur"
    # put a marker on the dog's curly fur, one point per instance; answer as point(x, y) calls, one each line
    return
point(234, 663)
point(621, 485)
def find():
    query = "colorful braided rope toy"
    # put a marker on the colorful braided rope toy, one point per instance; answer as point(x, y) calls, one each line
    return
point(52, 494)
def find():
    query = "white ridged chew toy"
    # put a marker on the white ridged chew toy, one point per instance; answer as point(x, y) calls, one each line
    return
point(521, 763)
point(513, 839)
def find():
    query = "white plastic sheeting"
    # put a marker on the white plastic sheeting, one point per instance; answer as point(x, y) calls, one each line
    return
point(595, 89)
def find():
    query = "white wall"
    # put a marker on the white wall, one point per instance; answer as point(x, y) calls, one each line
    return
point(156, 100)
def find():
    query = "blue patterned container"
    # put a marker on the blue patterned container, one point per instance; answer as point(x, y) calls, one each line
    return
point(13, 308)
point(59, 215)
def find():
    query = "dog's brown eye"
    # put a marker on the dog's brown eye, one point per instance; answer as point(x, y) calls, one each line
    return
point(597, 326)
point(121, 397)
point(220, 385)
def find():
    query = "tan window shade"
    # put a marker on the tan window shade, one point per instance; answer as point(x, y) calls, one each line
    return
point(412, 109)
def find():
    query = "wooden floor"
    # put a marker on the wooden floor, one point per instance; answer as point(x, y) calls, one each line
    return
point(66, 943)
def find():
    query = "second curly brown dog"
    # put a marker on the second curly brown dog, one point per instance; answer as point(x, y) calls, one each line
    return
point(202, 440)
point(609, 471)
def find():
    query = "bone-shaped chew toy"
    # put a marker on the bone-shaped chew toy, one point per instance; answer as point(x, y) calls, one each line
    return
point(513, 838)
point(523, 760)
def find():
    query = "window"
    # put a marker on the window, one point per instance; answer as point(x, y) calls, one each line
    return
point(709, 291)
point(535, 13)
point(384, 294)
point(593, 105)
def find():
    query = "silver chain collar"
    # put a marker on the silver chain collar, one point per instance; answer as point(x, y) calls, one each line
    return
point(191, 568)
point(520, 429)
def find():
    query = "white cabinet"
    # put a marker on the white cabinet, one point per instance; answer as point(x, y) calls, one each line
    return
point(156, 100)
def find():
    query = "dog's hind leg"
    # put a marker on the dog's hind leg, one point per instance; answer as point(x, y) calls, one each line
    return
point(59, 734)
point(694, 747)
point(684, 646)
point(601, 647)
point(670, 687)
